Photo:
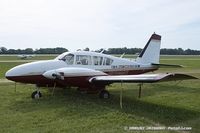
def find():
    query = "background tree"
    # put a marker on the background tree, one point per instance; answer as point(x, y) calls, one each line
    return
point(59, 50)
point(86, 49)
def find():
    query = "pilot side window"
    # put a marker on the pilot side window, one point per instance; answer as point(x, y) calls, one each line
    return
point(69, 59)
point(107, 61)
point(97, 60)
point(83, 60)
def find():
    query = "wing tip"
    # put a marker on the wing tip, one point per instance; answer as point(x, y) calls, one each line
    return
point(177, 76)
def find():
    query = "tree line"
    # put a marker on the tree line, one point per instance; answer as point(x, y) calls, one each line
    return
point(163, 51)
point(59, 50)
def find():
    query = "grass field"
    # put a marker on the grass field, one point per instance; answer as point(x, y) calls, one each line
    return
point(162, 104)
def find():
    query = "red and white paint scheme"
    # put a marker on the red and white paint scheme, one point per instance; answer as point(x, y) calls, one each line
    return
point(91, 71)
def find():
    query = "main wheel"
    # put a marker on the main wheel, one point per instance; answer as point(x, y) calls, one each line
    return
point(36, 95)
point(104, 94)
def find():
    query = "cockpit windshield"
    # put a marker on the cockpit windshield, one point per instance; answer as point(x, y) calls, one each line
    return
point(69, 58)
point(59, 57)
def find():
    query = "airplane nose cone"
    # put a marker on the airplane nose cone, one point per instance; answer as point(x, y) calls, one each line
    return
point(7, 74)
point(24, 72)
point(15, 72)
point(11, 73)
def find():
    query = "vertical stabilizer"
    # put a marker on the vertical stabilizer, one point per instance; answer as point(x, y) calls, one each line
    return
point(151, 51)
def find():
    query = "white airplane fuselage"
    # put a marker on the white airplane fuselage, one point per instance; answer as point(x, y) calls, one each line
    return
point(77, 68)
point(82, 66)
point(92, 72)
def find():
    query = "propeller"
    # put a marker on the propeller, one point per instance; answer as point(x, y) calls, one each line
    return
point(58, 76)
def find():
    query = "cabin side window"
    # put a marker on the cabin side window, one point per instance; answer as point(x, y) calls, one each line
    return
point(107, 61)
point(83, 60)
point(69, 59)
point(97, 60)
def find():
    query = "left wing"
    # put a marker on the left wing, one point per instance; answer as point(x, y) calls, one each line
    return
point(143, 78)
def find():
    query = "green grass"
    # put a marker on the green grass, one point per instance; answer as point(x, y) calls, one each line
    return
point(162, 104)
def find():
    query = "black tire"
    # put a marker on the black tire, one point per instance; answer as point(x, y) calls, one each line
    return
point(36, 95)
point(104, 94)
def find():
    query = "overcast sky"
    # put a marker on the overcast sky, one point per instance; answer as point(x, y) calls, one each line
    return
point(96, 24)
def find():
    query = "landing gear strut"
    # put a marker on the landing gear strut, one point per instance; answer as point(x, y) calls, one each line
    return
point(140, 90)
point(36, 94)
point(104, 94)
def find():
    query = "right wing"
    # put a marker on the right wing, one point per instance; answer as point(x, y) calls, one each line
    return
point(142, 78)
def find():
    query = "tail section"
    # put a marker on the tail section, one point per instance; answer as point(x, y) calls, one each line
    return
point(151, 51)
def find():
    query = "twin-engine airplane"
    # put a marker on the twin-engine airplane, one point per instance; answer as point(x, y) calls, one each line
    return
point(92, 72)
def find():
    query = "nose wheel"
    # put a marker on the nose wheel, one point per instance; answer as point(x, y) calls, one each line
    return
point(36, 95)
point(104, 94)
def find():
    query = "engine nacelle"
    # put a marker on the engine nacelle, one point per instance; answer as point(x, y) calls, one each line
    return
point(62, 73)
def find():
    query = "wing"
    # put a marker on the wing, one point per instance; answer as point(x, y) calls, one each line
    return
point(143, 78)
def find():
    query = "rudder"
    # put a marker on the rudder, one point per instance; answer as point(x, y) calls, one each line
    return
point(151, 51)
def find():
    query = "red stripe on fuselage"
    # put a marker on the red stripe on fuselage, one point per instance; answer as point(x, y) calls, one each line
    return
point(42, 81)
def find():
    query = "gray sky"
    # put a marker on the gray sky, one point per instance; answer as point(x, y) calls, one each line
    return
point(96, 24)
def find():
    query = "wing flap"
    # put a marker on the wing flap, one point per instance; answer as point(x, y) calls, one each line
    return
point(143, 78)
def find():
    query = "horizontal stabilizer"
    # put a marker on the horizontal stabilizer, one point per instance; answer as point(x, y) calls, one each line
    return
point(166, 65)
point(144, 78)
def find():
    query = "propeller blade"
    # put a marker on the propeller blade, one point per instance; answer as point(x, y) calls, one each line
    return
point(59, 76)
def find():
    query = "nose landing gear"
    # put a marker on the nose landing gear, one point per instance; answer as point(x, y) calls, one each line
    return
point(104, 94)
point(36, 94)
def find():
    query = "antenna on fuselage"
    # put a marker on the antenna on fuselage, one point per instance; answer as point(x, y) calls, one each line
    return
point(102, 51)
point(122, 55)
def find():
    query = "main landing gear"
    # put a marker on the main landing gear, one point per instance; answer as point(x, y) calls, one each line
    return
point(36, 94)
point(104, 94)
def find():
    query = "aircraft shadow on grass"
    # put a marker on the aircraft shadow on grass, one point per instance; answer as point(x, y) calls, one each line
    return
point(90, 106)
point(152, 89)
